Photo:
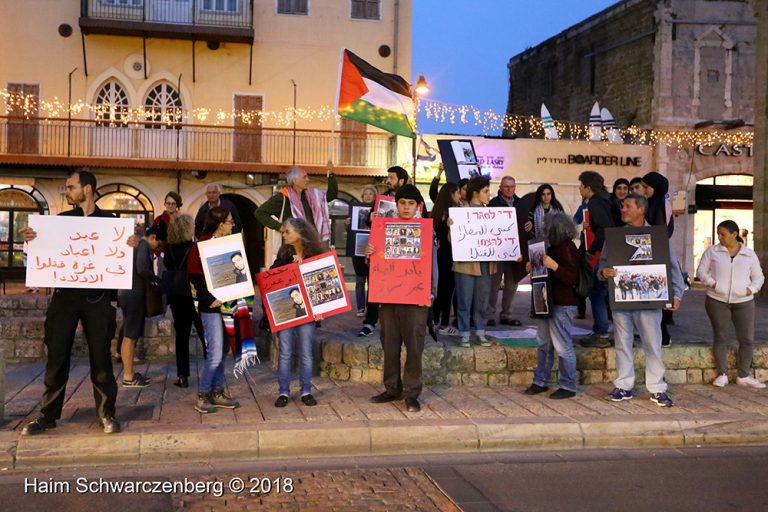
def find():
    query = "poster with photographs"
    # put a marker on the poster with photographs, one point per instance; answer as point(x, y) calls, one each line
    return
point(225, 267)
point(360, 218)
point(385, 206)
point(295, 294)
point(402, 241)
point(459, 159)
point(540, 298)
point(401, 266)
point(640, 256)
point(537, 249)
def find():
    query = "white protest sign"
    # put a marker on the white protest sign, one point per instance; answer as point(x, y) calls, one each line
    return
point(484, 234)
point(80, 252)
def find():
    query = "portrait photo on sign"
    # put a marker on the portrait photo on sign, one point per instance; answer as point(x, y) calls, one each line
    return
point(286, 305)
point(640, 283)
point(644, 246)
point(361, 241)
point(540, 305)
point(463, 152)
point(536, 252)
point(402, 241)
point(360, 218)
point(225, 267)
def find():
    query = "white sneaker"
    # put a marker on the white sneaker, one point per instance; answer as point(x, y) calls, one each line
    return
point(721, 381)
point(483, 341)
point(749, 382)
point(464, 342)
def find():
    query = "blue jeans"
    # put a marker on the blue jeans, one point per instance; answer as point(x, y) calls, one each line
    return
point(360, 293)
point(212, 377)
point(648, 324)
point(303, 336)
point(598, 297)
point(554, 335)
point(472, 292)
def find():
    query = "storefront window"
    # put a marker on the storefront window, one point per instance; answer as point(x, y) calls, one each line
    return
point(17, 203)
point(126, 202)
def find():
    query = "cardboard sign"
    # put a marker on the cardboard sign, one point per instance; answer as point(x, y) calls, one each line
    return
point(225, 267)
point(295, 294)
point(640, 256)
point(401, 267)
point(80, 252)
point(385, 206)
point(459, 159)
point(484, 234)
point(541, 284)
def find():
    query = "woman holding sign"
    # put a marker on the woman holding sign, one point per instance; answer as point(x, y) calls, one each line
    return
point(211, 394)
point(300, 241)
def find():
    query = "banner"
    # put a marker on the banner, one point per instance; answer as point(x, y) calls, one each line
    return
point(401, 267)
point(484, 234)
point(295, 294)
point(225, 267)
point(80, 252)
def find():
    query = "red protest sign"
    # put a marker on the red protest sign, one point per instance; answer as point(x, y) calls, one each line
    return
point(589, 237)
point(296, 294)
point(401, 267)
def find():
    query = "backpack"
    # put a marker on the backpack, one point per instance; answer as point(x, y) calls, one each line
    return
point(586, 278)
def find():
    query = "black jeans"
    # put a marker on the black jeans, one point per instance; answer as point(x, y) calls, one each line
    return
point(184, 314)
point(66, 309)
point(445, 287)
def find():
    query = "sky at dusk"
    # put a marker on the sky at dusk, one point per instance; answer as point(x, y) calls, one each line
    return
point(463, 46)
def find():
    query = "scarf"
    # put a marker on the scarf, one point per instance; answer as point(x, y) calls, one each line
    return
point(318, 205)
point(238, 327)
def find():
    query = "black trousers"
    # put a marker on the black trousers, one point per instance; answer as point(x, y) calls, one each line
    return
point(184, 315)
point(371, 314)
point(445, 287)
point(403, 324)
point(66, 309)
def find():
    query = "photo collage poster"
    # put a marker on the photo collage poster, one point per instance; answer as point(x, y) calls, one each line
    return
point(296, 294)
point(541, 298)
point(401, 266)
point(459, 159)
point(225, 267)
point(359, 230)
point(640, 256)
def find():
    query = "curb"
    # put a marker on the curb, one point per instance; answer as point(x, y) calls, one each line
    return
point(160, 445)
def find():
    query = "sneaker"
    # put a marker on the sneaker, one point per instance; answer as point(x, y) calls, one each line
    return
point(38, 426)
point(596, 341)
point(483, 341)
point(220, 398)
point(367, 330)
point(749, 382)
point(666, 341)
point(448, 330)
point(281, 401)
point(464, 342)
point(110, 425)
point(204, 404)
point(618, 394)
point(562, 393)
point(661, 399)
point(308, 400)
point(721, 381)
point(138, 381)
point(535, 389)
point(360, 313)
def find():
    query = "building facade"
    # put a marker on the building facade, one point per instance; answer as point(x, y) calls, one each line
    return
point(154, 85)
point(679, 65)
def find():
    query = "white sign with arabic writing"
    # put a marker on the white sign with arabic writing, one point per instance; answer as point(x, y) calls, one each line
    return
point(484, 234)
point(80, 252)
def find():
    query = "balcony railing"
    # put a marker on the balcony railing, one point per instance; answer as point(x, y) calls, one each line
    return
point(193, 143)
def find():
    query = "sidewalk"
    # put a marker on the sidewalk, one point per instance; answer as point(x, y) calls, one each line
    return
point(161, 426)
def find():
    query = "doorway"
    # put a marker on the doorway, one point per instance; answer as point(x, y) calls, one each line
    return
point(253, 232)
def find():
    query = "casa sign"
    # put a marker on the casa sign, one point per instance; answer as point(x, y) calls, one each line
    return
point(724, 150)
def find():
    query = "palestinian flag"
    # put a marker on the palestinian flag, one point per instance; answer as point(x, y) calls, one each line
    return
point(371, 96)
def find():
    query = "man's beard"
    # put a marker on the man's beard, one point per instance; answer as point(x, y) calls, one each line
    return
point(76, 201)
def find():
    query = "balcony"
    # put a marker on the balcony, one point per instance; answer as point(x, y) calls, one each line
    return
point(200, 20)
point(144, 145)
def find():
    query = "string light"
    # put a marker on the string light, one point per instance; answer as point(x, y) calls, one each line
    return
point(488, 121)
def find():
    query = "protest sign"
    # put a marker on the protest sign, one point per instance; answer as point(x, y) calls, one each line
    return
point(295, 294)
point(484, 234)
point(541, 284)
point(401, 267)
point(80, 252)
point(459, 160)
point(225, 266)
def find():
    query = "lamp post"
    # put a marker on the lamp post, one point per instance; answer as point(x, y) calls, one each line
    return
point(294, 122)
point(420, 89)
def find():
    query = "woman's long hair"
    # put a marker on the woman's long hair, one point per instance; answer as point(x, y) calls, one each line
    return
point(540, 191)
point(443, 201)
point(182, 229)
point(214, 218)
point(310, 240)
point(559, 227)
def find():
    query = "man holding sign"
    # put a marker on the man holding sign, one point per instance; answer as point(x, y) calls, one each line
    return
point(68, 307)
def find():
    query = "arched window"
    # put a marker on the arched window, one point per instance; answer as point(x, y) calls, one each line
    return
point(126, 202)
point(163, 107)
point(17, 203)
point(112, 104)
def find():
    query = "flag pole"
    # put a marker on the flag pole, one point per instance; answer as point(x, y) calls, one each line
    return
point(332, 151)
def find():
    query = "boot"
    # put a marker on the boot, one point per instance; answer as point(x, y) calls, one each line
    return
point(220, 399)
point(204, 404)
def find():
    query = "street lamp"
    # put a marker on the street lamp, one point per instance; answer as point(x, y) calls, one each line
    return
point(420, 89)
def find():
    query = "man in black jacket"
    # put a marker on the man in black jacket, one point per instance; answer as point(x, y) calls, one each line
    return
point(212, 193)
point(506, 198)
point(603, 213)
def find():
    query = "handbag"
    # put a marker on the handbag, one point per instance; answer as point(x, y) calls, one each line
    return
point(176, 282)
point(585, 278)
point(153, 298)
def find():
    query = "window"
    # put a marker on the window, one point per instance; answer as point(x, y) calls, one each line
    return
point(17, 203)
point(221, 5)
point(163, 107)
point(365, 9)
point(293, 7)
point(126, 202)
point(111, 104)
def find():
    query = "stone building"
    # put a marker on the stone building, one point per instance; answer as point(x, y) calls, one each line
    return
point(198, 57)
point(681, 65)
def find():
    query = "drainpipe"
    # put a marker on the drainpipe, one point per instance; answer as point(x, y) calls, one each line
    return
point(397, 32)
